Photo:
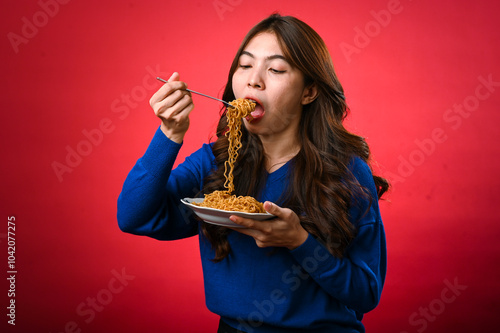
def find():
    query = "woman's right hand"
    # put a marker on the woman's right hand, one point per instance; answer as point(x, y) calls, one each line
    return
point(172, 103)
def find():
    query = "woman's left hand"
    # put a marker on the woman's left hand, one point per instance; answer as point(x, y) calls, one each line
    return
point(284, 231)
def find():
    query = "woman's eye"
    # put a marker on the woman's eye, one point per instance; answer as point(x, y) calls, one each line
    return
point(275, 71)
point(244, 66)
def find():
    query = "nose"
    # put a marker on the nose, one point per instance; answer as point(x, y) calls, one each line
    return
point(255, 80)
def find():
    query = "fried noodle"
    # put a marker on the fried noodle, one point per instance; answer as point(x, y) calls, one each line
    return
point(224, 200)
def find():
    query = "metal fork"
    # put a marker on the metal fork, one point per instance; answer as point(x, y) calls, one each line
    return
point(195, 92)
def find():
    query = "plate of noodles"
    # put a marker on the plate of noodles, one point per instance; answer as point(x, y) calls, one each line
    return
point(216, 207)
point(220, 216)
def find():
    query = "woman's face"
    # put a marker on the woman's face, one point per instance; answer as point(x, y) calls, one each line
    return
point(264, 76)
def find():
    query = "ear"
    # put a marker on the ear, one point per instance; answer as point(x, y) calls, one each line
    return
point(309, 94)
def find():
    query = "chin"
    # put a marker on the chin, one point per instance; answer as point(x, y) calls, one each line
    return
point(260, 128)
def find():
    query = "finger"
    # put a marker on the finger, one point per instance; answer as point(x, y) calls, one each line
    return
point(174, 77)
point(166, 90)
point(274, 209)
point(181, 110)
point(263, 227)
point(175, 107)
point(170, 100)
point(247, 223)
point(159, 106)
point(253, 229)
point(246, 230)
point(240, 220)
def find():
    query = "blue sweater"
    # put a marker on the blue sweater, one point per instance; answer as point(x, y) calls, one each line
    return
point(260, 289)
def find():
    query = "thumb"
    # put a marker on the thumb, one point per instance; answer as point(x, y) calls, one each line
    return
point(272, 208)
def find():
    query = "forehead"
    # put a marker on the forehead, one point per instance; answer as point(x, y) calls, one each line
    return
point(264, 44)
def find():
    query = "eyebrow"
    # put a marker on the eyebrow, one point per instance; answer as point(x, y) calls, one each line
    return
point(271, 57)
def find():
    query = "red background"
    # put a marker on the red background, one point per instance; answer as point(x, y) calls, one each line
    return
point(87, 67)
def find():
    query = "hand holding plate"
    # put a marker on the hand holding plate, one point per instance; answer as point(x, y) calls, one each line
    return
point(283, 231)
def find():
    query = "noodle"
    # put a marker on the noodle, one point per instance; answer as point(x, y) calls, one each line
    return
point(224, 200)
point(241, 108)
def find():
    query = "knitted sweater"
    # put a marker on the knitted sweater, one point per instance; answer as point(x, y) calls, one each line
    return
point(261, 289)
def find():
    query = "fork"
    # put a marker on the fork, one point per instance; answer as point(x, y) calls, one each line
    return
point(195, 92)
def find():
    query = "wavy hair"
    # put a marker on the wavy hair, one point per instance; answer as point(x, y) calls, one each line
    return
point(321, 188)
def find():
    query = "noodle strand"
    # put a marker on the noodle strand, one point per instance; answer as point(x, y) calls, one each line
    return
point(224, 200)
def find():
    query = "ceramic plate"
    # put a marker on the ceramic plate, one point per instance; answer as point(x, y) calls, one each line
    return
point(221, 217)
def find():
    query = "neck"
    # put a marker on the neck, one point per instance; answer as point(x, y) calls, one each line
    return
point(281, 150)
point(278, 152)
point(278, 145)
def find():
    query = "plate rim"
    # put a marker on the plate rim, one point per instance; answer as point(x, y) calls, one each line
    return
point(231, 212)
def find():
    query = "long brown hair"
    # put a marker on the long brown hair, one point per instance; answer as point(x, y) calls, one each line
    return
point(321, 187)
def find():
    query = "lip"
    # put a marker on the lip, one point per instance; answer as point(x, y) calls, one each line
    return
point(256, 100)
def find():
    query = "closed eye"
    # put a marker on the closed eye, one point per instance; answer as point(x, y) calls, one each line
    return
point(275, 71)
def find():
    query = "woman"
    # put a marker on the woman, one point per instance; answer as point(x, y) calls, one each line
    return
point(320, 264)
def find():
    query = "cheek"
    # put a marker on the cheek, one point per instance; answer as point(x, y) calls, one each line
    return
point(233, 85)
point(287, 111)
point(287, 118)
point(288, 103)
point(282, 117)
point(237, 83)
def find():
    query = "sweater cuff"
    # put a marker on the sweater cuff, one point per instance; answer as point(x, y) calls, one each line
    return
point(160, 156)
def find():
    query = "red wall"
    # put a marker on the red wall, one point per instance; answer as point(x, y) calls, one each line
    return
point(422, 79)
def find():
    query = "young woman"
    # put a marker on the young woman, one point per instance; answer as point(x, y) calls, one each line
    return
point(320, 264)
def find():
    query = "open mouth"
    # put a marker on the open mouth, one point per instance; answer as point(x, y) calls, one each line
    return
point(258, 113)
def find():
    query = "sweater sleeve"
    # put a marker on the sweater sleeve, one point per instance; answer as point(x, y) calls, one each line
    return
point(149, 203)
point(357, 279)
